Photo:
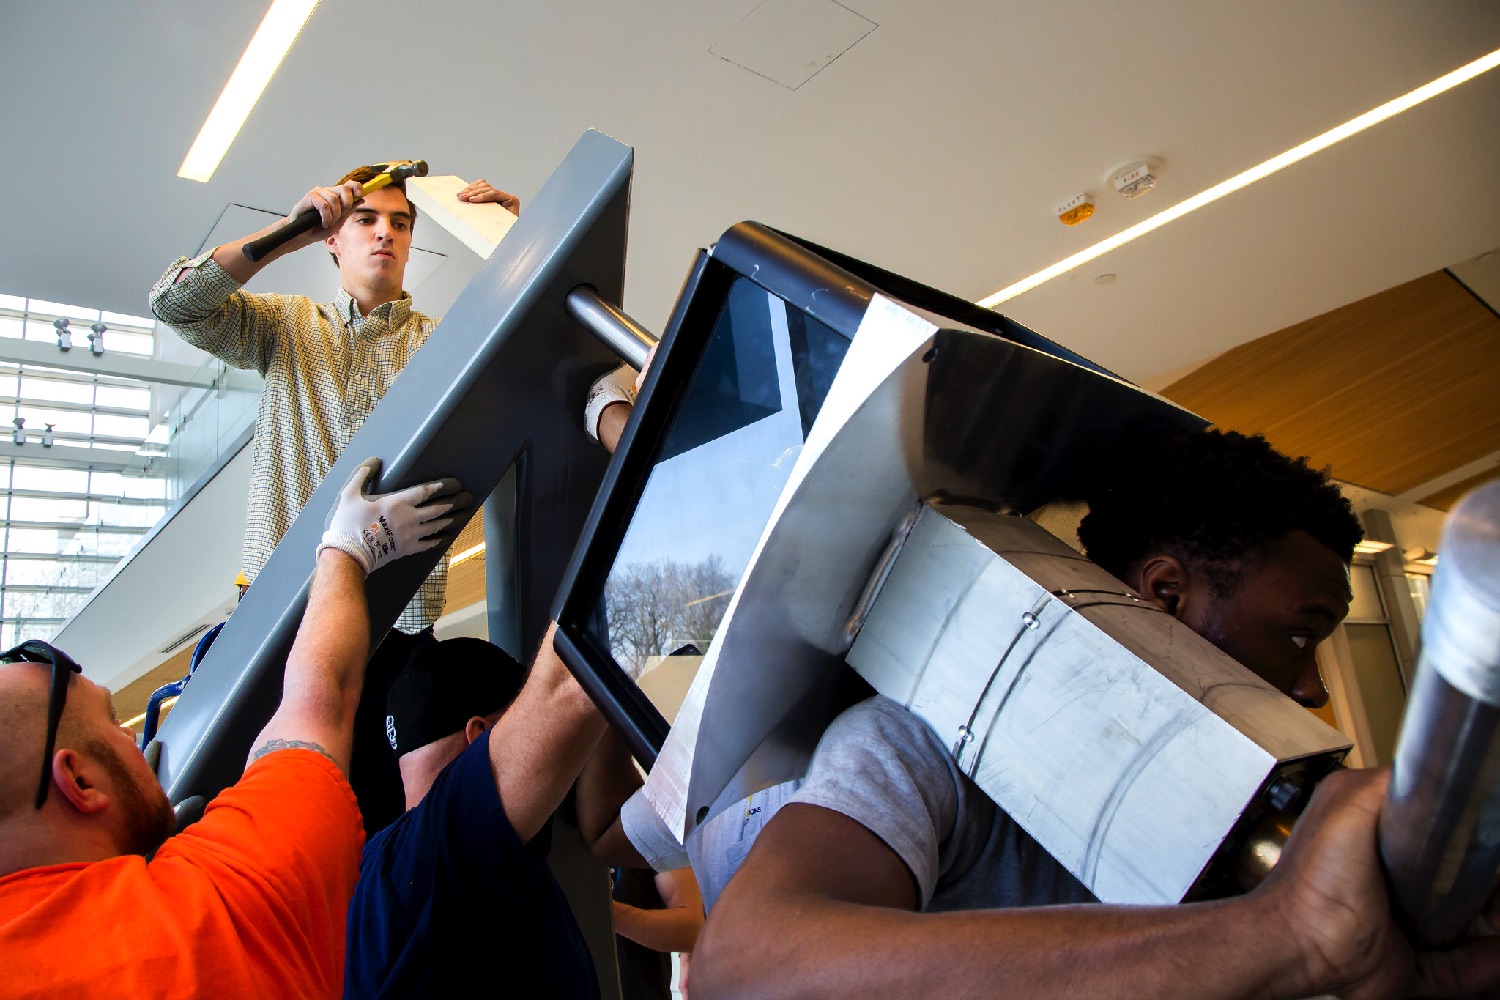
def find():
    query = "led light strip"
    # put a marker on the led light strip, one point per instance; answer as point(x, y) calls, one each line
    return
point(1261, 170)
point(280, 27)
point(166, 703)
point(466, 555)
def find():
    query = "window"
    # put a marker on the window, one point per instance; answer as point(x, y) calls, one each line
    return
point(81, 498)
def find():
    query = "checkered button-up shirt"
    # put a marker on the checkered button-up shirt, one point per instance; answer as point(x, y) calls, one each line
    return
point(325, 367)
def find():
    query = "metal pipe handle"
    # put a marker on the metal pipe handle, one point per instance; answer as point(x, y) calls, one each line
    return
point(617, 331)
point(1440, 827)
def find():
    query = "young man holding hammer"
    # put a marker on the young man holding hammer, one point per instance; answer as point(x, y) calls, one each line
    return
point(326, 366)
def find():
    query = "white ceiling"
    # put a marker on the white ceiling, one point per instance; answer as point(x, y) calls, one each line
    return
point(936, 146)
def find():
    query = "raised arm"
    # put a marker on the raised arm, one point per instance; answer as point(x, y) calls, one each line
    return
point(542, 741)
point(607, 780)
point(203, 302)
point(823, 908)
point(331, 204)
point(610, 400)
point(675, 926)
point(326, 667)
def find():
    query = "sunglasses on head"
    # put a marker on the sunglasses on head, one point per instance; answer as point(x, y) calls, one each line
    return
point(36, 651)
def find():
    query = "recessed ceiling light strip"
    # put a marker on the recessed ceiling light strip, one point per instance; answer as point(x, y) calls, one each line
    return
point(280, 27)
point(1261, 170)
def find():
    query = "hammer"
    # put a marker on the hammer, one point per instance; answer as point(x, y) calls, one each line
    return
point(374, 177)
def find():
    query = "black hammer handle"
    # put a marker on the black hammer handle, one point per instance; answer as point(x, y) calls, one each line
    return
point(304, 221)
point(374, 178)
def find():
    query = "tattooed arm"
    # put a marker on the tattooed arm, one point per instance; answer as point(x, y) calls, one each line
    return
point(271, 746)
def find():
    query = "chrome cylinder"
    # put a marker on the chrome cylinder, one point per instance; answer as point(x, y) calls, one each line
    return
point(615, 330)
point(1440, 827)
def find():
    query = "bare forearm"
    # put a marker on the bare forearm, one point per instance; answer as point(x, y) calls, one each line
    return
point(334, 640)
point(326, 667)
point(231, 256)
point(331, 203)
point(612, 424)
point(816, 947)
point(660, 930)
point(607, 780)
point(541, 743)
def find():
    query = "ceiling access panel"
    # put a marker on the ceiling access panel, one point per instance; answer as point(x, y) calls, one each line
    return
point(500, 383)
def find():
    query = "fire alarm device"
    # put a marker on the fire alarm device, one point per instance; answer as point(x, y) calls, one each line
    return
point(1075, 209)
point(1135, 178)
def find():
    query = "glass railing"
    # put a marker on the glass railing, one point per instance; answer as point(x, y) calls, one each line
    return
point(203, 423)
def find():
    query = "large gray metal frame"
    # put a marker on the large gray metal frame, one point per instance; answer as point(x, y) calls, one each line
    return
point(500, 384)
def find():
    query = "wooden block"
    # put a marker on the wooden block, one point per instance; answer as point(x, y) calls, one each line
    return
point(478, 227)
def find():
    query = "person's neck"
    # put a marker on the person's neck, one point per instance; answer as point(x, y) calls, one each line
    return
point(420, 767)
point(35, 840)
point(367, 300)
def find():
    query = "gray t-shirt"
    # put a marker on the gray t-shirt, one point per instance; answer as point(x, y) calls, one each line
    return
point(716, 849)
point(887, 770)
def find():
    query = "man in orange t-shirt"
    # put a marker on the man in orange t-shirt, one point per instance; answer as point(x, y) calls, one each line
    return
point(251, 900)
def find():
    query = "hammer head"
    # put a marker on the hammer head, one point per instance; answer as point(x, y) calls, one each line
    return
point(399, 170)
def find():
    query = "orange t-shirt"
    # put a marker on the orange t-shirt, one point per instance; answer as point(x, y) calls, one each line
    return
point(250, 901)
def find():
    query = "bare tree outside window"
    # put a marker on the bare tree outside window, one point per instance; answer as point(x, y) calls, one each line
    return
point(656, 607)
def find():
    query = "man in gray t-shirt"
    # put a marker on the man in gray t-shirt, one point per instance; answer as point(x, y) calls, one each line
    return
point(1249, 549)
point(887, 770)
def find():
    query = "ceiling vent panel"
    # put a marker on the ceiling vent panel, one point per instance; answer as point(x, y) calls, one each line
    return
point(791, 41)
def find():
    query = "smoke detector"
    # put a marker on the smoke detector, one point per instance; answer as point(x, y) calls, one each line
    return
point(1134, 178)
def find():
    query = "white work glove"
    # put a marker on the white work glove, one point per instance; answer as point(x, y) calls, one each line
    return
point(618, 386)
point(375, 528)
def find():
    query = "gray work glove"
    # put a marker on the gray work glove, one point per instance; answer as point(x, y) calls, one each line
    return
point(375, 528)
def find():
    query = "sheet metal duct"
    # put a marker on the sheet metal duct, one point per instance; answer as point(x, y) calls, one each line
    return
point(1130, 747)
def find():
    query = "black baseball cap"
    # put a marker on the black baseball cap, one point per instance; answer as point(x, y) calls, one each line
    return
point(443, 685)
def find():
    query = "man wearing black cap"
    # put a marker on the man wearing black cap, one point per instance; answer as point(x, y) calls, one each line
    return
point(449, 895)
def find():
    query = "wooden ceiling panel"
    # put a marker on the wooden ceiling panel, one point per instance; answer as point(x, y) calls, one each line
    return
point(1445, 499)
point(1391, 391)
point(131, 699)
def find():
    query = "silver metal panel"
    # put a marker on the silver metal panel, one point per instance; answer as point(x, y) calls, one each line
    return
point(1089, 715)
point(783, 631)
point(617, 331)
point(502, 378)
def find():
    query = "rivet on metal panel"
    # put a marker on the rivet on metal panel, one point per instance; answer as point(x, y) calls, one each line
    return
point(1030, 620)
point(964, 736)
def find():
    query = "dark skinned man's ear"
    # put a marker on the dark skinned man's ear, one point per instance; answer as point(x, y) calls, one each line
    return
point(73, 775)
point(1163, 580)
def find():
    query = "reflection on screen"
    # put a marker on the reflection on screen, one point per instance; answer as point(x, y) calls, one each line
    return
point(763, 376)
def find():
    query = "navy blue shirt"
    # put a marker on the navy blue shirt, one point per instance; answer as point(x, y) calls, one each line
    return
point(449, 898)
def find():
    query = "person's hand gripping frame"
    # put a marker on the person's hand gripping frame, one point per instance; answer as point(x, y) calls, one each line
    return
point(375, 528)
